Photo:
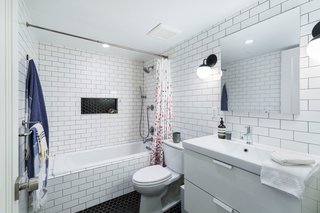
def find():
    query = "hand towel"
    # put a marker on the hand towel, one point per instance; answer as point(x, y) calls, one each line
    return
point(289, 179)
point(289, 159)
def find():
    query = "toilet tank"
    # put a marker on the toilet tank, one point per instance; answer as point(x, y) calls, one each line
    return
point(173, 155)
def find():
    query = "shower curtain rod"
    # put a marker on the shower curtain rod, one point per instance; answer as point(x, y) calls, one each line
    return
point(93, 40)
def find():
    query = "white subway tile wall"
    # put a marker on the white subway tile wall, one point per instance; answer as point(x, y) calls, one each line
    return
point(80, 190)
point(254, 84)
point(67, 74)
point(196, 102)
point(27, 44)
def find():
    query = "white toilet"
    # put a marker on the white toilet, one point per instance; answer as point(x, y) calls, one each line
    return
point(160, 186)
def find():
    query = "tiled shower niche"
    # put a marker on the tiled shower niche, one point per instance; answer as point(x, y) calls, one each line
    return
point(99, 105)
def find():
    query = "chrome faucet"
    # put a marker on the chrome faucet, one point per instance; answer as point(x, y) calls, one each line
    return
point(248, 135)
point(148, 140)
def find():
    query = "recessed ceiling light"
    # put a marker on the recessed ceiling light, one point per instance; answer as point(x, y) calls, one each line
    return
point(163, 32)
point(105, 45)
point(250, 41)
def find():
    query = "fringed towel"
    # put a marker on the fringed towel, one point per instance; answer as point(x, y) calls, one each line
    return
point(38, 156)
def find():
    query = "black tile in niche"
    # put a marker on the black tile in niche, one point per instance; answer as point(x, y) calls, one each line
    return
point(99, 105)
point(128, 203)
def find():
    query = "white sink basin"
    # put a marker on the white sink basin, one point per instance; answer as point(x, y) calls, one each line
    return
point(236, 153)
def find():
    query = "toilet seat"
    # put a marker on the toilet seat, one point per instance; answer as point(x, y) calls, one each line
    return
point(151, 175)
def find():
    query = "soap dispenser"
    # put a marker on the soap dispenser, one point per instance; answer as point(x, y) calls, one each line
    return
point(221, 130)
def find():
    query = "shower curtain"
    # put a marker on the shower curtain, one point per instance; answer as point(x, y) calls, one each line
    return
point(163, 118)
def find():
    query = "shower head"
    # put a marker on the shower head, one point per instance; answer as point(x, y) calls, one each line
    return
point(147, 69)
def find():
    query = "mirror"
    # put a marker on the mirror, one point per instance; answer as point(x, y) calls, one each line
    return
point(260, 66)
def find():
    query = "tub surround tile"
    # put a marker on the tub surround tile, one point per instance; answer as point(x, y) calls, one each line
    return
point(84, 189)
point(69, 74)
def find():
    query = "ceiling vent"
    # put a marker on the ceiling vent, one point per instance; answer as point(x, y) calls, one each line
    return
point(162, 31)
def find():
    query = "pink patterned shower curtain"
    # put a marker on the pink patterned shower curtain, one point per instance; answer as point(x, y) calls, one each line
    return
point(163, 118)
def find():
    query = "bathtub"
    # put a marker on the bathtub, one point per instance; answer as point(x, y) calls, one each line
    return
point(76, 161)
point(83, 179)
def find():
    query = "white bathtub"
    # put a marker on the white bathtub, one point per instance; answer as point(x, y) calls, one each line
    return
point(83, 179)
point(81, 160)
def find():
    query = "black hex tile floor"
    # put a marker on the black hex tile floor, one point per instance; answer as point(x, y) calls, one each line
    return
point(128, 203)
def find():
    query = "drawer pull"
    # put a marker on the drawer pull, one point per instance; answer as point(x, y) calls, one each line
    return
point(222, 205)
point(222, 164)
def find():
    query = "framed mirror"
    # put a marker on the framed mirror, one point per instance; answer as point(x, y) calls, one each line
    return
point(260, 66)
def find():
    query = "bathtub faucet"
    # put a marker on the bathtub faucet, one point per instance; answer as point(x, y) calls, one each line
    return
point(148, 140)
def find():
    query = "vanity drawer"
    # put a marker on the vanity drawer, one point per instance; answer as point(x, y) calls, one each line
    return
point(197, 200)
point(240, 189)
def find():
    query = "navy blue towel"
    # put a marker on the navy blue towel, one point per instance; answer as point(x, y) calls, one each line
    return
point(36, 106)
point(33, 159)
point(224, 99)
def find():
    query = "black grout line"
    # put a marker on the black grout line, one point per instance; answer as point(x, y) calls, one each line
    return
point(128, 203)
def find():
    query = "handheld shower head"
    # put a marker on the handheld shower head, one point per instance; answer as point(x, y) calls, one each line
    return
point(141, 93)
point(146, 70)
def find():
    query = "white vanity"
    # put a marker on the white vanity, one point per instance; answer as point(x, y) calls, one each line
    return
point(223, 176)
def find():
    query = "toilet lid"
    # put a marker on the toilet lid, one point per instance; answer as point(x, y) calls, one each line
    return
point(151, 175)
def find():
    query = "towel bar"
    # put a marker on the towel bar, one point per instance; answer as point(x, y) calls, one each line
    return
point(25, 134)
point(24, 123)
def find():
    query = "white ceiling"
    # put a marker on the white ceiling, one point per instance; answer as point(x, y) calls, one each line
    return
point(271, 35)
point(126, 22)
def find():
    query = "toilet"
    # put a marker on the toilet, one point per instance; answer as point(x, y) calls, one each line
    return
point(160, 186)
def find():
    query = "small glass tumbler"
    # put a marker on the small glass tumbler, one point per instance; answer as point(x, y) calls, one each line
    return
point(228, 135)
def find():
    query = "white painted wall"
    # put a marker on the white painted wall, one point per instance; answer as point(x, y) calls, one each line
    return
point(27, 44)
point(2, 107)
point(8, 105)
point(67, 74)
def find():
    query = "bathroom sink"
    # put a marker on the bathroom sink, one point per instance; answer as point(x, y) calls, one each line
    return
point(235, 153)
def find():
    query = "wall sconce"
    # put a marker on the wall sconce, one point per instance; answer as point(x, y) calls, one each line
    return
point(205, 70)
point(313, 48)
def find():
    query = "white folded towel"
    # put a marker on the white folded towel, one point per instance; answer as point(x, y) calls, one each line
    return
point(290, 179)
point(289, 159)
